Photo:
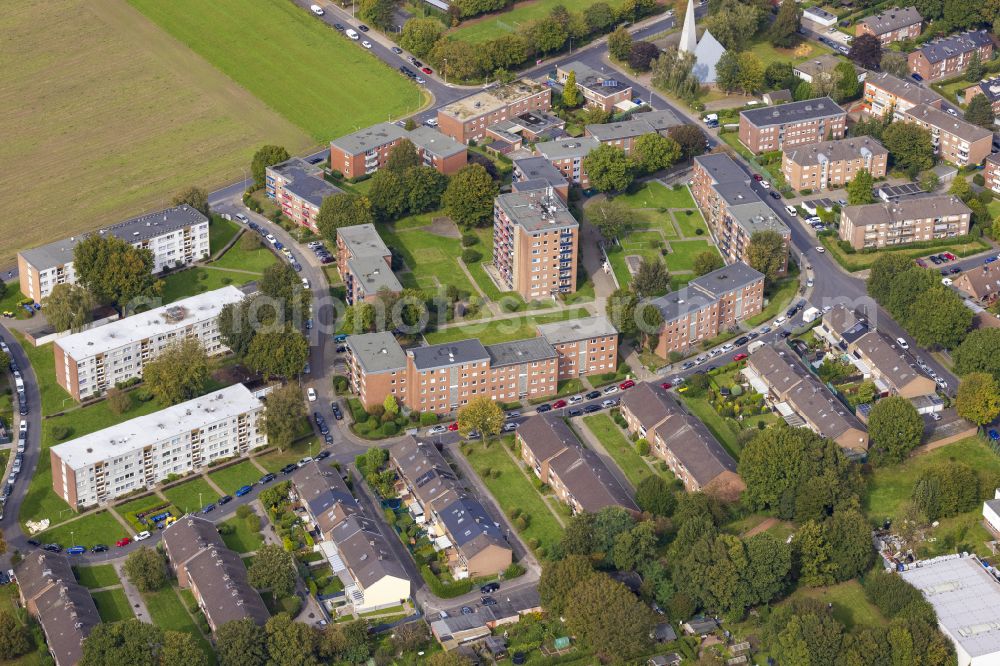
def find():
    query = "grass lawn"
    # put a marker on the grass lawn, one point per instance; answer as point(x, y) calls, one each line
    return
point(769, 53)
point(950, 90)
point(243, 539)
point(654, 194)
point(275, 460)
point(431, 259)
point(220, 232)
point(98, 575)
point(503, 330)
point(43, 362)
point(239, 259)
point(87, 531)
point(683, 253)
point(689, 221)
point(781, 295)
point(129, 510)
point(198, 280)
point(491, 26)
point(513, 490)
point(296, 64)
point(168, 613)
point(860, 261)
point(235, 476)
point(186, 496)
point(619, 448)
point(113, 605)
point(702, 409)
point(849, 603)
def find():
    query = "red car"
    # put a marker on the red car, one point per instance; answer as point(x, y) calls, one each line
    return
point(758, 177)
point(124, 541)
point(426, 70)
point(950, 256)
point(627, 384)
point(665, 385)
point(559, 404)
point(739, 357)
point(453, 426)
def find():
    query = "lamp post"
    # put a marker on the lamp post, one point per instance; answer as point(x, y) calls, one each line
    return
point(446, 71)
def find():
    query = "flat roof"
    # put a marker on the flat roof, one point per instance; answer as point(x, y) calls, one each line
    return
point(908, 208)
point(637, 125)
point(948, 123)
point(721, 167)
point(577, 329)
point(726, 279)
point(362, 240)
point(448, 354)
point(373, 274)
point(757, 216)
point(133, 230)
point(536, 210)
point(953, 46)
point(369, 138)
point(528, 350)
point(589, 78)
point(571, 147)
point(434, 142)
point(538, 168)
point(304, 181)
point(159, 321)
point(377, 352)
point(164, 424)
point(793, 112)
point(493, 99)
point(839, 150)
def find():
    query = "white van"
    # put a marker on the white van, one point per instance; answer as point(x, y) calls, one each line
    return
point(353, 35)
point(316, 9)
point(712, 120)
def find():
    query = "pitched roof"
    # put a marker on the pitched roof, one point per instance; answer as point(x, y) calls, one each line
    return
point(907, 208)
point(835, 151)
point(67, 614)
point(423, 468)
point(980, 281)
point(952, 46)
point(325, 494)
point(472, 529)
point(649, 405)
point(695, 447)
point(795, 112)
point(365, 551)
point(892, 19)
point(845, 323)
point(902, 89)
point(891, 361)
point(946, 122)
point(304, 181)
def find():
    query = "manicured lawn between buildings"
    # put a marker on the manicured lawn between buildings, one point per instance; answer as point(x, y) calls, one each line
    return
point(235, 476)
point(168, 613)
point(96, 528)
point(242, 539)
point(96, 576)
point(113, 605)
point(191, 495)
point(503, 330)
point(618, 447)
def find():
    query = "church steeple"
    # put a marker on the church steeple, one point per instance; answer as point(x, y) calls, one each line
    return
point(689, 35)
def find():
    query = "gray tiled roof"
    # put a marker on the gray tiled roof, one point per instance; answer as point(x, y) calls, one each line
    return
point(589, 78)
point(637, 125)
point(891, 361)
point(528, 350)
point(536, 210)
point(695, 447)
point(892, 19)
point(448, 354)
point(842, 321)
point(795, 112)
point(721, 167)
point(679, 303)
point(325, 493)
point(67, 614)
point(991, 90)
point(906, 209)
point(365, 551)
point(577, 329)
point(370, 138)
point(377, 352)
point(372, 274)
point(951, 46)
point(435, 142)
point(907, 90)
point(835, 151)
point(648, 404)
point(304, 182)
point(948, 123)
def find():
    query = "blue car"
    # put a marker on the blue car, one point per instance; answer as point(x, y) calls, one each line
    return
point(340, 337)
point(994, 435)
point(989, 260)
point(76, 550)
point(278, 245)
point(243, 491)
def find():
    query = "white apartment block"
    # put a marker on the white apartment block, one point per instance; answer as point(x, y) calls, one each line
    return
point(138, 454)
point(90, 362)
point(176, 236)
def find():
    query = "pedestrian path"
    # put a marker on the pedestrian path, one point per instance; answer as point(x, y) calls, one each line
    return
point(135, 599)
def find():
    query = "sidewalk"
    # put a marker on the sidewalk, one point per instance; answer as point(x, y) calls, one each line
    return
point(132, 594)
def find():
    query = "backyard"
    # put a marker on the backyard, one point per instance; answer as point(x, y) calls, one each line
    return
point(618, 447)
point(241, 539)
point(168, 613)
point(97, 576)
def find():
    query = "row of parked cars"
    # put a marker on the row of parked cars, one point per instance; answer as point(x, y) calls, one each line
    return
point(270, 238)
point(320, 251)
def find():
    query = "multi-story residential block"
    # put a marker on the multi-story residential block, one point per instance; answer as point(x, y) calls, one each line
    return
point(64, 609)
point(584, 346)
point(567, 155)
point(682, 441)
point(622, 134)
point(732, 209)
point(139, 453)
point(366, 151)
point(535, 243)
point(954, 140)
point(376, 368)
point(892, 25)
point(788, 125)
point(708, 306)
point(299, 188)
point(576, 474)
point(831, 164)
point(537, 173)
point(364, 263)
point(456, 521)
point(885, 93)
point(980, 282)
point(214, 574)
point(790, 387)
point(949, 56)
point(511, 134)
point(352, 541)
point(599, 90)
point(991, 172)
point(990, 88)
point(92, 361)
point(468, 118)
point(904, 221)
point(176, 237)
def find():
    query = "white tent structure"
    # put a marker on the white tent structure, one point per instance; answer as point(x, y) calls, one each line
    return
point(707, 52)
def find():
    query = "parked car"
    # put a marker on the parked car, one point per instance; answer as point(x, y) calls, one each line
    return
point(311, 394)
point(337, 414)
point(34, 542)
point(740, 357)
point(488, 601)
point(76, 550)
point(99, 548)
point(544, 408)
point(611, 389)
point(317, 10)
point(994, 435)
point(512, 415)
point(208, 508)
point(225, 499)
point(559, 404)
point(774, 194)
point(305, 461)
point(397, 50)
point(142, 536)
point(289, 468)
point(590, 409)
point(437, 430)
point(627, 384)
point(665, 385)
point(453, 426)
point(593, 394)
point(244, 490)
point(52, 547)
point(363, 28)
point(741, 341)
point(575, 399)
point(489, 588)
point(322, 455)
point(267, 478)
point(902, 343)
point(426, 70)
point(575, 411)
point(610, 402)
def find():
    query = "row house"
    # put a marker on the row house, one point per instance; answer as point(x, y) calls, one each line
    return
point(299, 189)
point(366, 151)
point(981, 283)
point(893, 25)
point(954, 139)
point(623, 134)
point(904, 221)
point(599, 90)
point(950, 56)
point(467, 119)
point(888, 94)
point(781, 127)
point(833, 164)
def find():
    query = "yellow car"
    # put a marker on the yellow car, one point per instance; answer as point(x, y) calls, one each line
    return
point(682, 389)
point(8, 313)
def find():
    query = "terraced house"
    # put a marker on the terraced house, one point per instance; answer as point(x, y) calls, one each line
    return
point(892, 25)
point(365, 264)
point(907, 220)
point(299, 189)
point(366, 151)
point(176, 236)
point(832, 164)
point(950, 56)
point(885, 93)
point(469, 117)
point(624, 133)
point(785, 126)
point(954, 140)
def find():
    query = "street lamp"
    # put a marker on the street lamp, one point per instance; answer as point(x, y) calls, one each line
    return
point(446, 71)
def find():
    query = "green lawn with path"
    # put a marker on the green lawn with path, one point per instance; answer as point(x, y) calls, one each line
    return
point(220, 232)
point(168, 613)
point(113, 605)
point(90, 530)
point(769, 53)
point(236, 476)
point(43, 362)
point(431, 259)
point(191, 495)
point(683, 253)
point(242, 539)
point(199, 279)
point(236, 258)
point(618, 447)
point(654, 194)
point(491, 26)
point(690, 221)
point(850, 605)
point(503, 330)
point(96, 576)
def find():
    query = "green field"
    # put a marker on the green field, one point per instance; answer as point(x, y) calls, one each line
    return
point(241, 260)
point(168, 613)
point(275, 460)
point(235, 476)
point(295, 64)
point(96, 528)
point(432, 259)
point(619, 448)
point(690, 221)
point(220, 232)
point(769, 53)
point(43, 362)
point(779, 295)
point(654, 194)
point(243, 539)
point(112, 605)
point(192, 495)
point(503, 330)
point(490, 26)
point(683, 253)
point(96, 576)
point(849, 603)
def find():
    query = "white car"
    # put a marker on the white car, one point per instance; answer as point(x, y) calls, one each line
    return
point(438, 430)
point(366, 44)
point(820, 249)
point(809, 282)
point(141, 536)
point(242, 218)
point(779, 321)
point(766, 185)
point(23, 427)
point(946, 282)
point(575, 399)
point(815, 219)
point(902, 343)
point(305, 283)
point(316, 9)
point(728, 346)
point(305, 461)
point(791, 210)
point(510, 426)
point(611, 389)
point(285, 251)
point(431, 122)
point(271, 239)
point(311, 394)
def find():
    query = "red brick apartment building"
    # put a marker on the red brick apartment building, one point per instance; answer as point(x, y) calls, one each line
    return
point(949, 56)
point(469, 117)
point(364, 263)
point(623, 134)
point(990, 88)
point(299, 189)
point(441, 378)
point(780, 127)
point(954, 140)
point(908, 220)
point(366, 151)
point(892, 25)
point(832, 164)
point(567, 155)
point(601, 91)
point(992, 172)
point(885, 93)
point(533, 173)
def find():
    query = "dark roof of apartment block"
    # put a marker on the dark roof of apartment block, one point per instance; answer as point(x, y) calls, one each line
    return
point(794, 112)
point(377, 352)
point(529, 350)
point(448, 354)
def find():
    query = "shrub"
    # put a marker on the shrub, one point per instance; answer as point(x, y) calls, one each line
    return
point(471, 256)
point(642, 447)
point(469, 239)
point(699, 231)
point(513, 571)
point(979, 180)
point(389, 428)
point(60, 432)
point(428, 418)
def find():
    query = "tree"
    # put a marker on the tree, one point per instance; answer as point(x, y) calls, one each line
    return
point(979, 352)
point(14, 640)
point(424, 186)
point(559, 577)
point(377, 12)
point(469, 196)
point(895, 428)
point(284, 287)
point(283, 415)
point(403, 156)
point(784, 32)
point(850, 538)
point(866, 50)
point(571, 93)
point(592, 602)
point(651, 280)
point(803, 91)
point(178, 373)
point(847, 86)
point(608, 168)
point(620, 309)
point(734, 24)
point(642, 54)
point(273, 568)
point(727, 71)
point(883, 274)
point(69, 307)
point(815, 554)
point(290, 643)
point(690, 138)
point(610, 216)
point(235, 327)
point(673, 71)
point(769, 563)
point(145, 569)
point(241, 643)
point(546, 34)
point(980, 112)
point(978, 397)
point(342, 210)
point(347, 642)
point(653, 152)
point(909, 145)
point(974, 71)
point(264, 157)
point(859, 190)
point(929, 180)
point(806, 632)
point(387, 195)
point(113, 271)
point(620, 44)
point(654, 495)
point(420, 34)
point(939, 318)
point(195, 197)
point(706, 262)
point(118, 400)
point(452, 658)
point(129, 642)
point(635, 547)
point(751, 77)
point(766, 252)
point(895, 63)
point(281, 353)
point(599, 17)
point(482, 415)
point(181, 649)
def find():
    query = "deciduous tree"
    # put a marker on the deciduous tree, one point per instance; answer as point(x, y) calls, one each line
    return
point(559, 577)
point(653, 152)
point(481, 414)
point(387, 195)
point(980, 112)
point(273, 568)
point(145, 569)
point(634, 547)
point(181, 649)
point(690, 138)
point(866, 50)
point(850, 537)
point(608, 169)
point(377, 12)
point(264, 157)
point(118, 400)
point(895, 63)
point(69, 307)
point(978, 398)
point(290, 643)
point(178, 373)
point(847, 85)
point(859, 190)
point(571, 93)
point(979, 352)
point(727, 71)
point(939, 318)
point(909, 145)
point(751, 79)
point(403, 156)
point(241, 643)
point(346, 642)
point(424, 186)
point(342, 210)
point(195, 197)
point(734, 24)
point(283, 415)
point(113, 271)
point(652, 279)
point(592, 602)
point(281, 353)
point(895, 428)
point(620, 43)
point(654, 495)
point(127, 642)
point(620, 309)
point(469, 196)
point(815, 555)
point(784, 32)
point(14, 639)
point(642, 54)
point(599, 17)
point(420, 34)
point(766, 252)
point(706, 262)
point(610, 216)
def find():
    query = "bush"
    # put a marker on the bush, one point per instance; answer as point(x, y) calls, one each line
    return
point(699, 231)
point(979, 180)
point(340, 384)
point(469, 239)
point(470, 256)
point(642, 447)
point(389, 428)
point(428, 419)
point(60, 432)
point(513, 571)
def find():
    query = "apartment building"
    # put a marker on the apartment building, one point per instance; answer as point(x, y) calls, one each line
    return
point(599, 90)
point(214, 574)
point(536, 173)
point(176, 236)
point(950, 56)
point(904, 221)
point(691, 452)
point(732, 209)
point(366, 151)
point(456, 522)
point(623, 134)
point(353, 543)
point(365, 264)
point(63, 608)
point(567, 155)
point(299, 189)
point(991, 172)
point(980, 282)
point(468, 118)
point(892, 25)
point(990, 88)
point(376, 368)
point(832, 164)
point(781, 127)
point(707, 306)
point(583, 346)
point(885, 93)
point(535, 243)
point(139, 453)
point(511, 134)
point(576, 474)
point(954, 140)
point(90, 362)
point(803, 399)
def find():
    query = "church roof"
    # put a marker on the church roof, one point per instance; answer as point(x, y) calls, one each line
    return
point(707, 55)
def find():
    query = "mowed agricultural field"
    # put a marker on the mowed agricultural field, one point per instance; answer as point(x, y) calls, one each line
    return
point(107, 116)
point(491, 26)
point(296, 64)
